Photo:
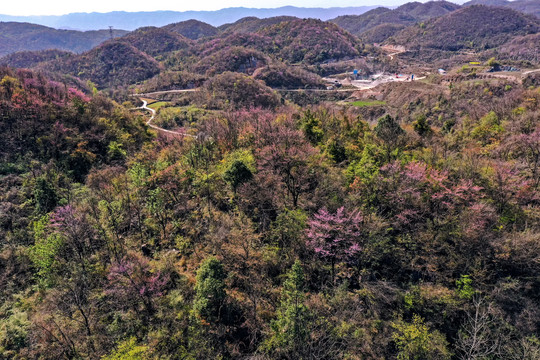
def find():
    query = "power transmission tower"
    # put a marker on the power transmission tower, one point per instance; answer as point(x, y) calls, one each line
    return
point(111, 32)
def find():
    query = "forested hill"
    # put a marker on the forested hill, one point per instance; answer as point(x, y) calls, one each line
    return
point(144, 53)
point(23, 36)
point(111, 64)
point(526, 6)
point(192, 29)
point(476, 27)
point(406, 14)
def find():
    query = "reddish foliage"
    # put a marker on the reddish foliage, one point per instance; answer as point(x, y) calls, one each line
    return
point(414, 192)
point(289, 158)
point(338, 236)
point(132, 281)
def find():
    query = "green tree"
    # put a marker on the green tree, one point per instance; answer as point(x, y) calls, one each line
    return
point(414, 341)
point(116, 151)
point(289, 329)
point(421, 126)
point(336, 150)
point(488, 130)
point(13, 333)
point(237, 174)
point(493, 62)
point(210, 292)
point(389, 131)
point(45, 195)
point(311, 127)
point(465, 289)
point(43, 253)
point(80, 162)
point(287, 231)
point(129, 350)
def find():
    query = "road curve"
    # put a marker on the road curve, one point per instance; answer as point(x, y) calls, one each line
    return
point(531, 71)
point(157, 128)
point(393, 50)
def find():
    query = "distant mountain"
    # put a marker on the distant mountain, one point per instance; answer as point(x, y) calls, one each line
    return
point(291, 39)
point(267, 53)
point(249, 40)
point(253, 24)
point(487, 2)
point(525, 6)
point(29, 37)
point(391, 21)
point(425, 11)
point(156, 41)
point(134, 20)
point(475, 27)
point(234, 58)
point(192, 29)
point(358, 24)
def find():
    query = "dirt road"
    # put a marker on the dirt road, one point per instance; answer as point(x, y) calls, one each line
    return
point(157, 128)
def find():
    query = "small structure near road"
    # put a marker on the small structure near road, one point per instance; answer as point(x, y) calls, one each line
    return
point(499, 68)
point(334, 85)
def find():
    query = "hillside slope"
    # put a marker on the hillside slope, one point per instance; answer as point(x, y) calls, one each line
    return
point(312, 41)
point(476, 27)
point(113, 63)
point(525, 6)
point(406, 14)
point(156, 41)
point(29, 59)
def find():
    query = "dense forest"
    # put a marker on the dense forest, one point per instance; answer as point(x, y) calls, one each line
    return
point(282, 219)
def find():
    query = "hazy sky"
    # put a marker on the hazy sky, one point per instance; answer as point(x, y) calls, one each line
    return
point(59, 7)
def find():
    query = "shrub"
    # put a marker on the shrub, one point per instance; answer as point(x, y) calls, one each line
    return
point(414, 341)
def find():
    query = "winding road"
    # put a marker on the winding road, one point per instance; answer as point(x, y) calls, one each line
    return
point(184, 134)
point(157, 128)
point(394, 50)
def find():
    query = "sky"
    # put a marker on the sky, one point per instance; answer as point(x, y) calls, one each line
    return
point(60, 7)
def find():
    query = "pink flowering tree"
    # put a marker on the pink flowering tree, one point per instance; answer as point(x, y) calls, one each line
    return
point(78, 235)
point(509, 187)
point(132, 282)
point(414, 192)
point(336, 237)
point(527, 148)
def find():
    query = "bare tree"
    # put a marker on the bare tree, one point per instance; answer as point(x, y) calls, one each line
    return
point(476, 339)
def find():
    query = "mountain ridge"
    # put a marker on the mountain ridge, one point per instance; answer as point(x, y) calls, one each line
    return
point(16, 36)
point(133, 20)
